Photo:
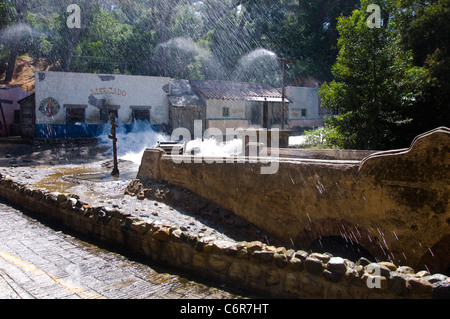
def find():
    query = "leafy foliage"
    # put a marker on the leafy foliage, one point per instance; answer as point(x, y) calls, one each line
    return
point(385, 85)
point(375, 84)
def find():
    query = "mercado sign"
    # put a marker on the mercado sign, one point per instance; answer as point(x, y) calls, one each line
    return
point(110, 91)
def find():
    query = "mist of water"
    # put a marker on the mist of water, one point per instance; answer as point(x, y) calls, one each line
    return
point(18, 31)
point(260, 65)
point(131, 144)
point(212, 147)
point(183, 58)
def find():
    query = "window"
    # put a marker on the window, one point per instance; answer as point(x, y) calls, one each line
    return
point(75, 116)
point(141, 115)
point(256, 115)
point(75, 113)
point(304, 112)
point(225, 111)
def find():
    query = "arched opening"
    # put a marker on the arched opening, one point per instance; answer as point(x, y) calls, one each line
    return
point(341, 247)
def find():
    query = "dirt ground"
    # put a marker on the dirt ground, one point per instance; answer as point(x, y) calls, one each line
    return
point(85, 170)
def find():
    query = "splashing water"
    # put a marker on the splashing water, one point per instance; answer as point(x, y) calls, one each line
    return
point(260, 65)
point(132, 144)
point(212, 147)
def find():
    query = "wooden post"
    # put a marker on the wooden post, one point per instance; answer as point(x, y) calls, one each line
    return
point(265, 114)
point(283, 93)
point(115, 171)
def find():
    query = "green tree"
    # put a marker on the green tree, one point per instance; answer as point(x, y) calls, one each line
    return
point(99, 51)
point(424, 29)
point(374, 82)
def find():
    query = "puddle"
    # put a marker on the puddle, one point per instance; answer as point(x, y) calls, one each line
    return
point(56, 182)
point(105, 177)
point(64, 178)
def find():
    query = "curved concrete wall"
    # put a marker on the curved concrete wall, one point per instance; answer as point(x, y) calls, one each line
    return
point(395, 204)
point(273, 271)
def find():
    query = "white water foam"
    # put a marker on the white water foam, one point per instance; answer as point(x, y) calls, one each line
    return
point(212, 147)
point(131, 145)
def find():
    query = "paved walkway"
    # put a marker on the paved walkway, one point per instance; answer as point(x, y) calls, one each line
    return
point(37, 262)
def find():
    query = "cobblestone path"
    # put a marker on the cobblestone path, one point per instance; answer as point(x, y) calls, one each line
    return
point(38, 262)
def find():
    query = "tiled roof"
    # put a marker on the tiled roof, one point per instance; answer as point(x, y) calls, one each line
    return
point(227, 90)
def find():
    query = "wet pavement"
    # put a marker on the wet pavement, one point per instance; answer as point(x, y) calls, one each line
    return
point(86, 172)
point(38, 262)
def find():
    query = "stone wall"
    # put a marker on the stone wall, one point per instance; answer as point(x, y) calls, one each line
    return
point(273, 271)
point(394, 203)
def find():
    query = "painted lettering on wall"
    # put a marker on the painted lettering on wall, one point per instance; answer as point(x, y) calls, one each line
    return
point(111, 91)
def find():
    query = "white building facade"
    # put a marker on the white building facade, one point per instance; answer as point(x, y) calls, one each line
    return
point(78, 104)
point(305, 109)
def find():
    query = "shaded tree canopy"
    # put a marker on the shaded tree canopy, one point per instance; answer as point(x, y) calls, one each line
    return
point(385, 85)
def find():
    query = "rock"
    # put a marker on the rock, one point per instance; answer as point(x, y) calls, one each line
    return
point(241, 250)
point(263, 255)
point(281, 260)
point(73, 201)
point(406, 270)
point(419, 286)
point(432, 279)
point(254, 245)
point(322, 257)
point(295, 264)
point(389, 265)
point(140, 226)
point(311, 288)
point(301, 254)
point(337, 265)
point(218, 263)
point(398, 283)
point(176, 234)
point(236, 272)
point(61, 198)
point(332, 276)
point(223, 246)
point(254, 271)
point(272, 277)
point(291, 284)
point(161, 234)
point(363, 261)
point(313, 265)
point(375, 281)
point(377, 269)
point(441, 290)
point(422, 273)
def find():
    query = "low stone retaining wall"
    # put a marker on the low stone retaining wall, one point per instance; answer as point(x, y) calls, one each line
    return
point(273, 271)
point(394, 203)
